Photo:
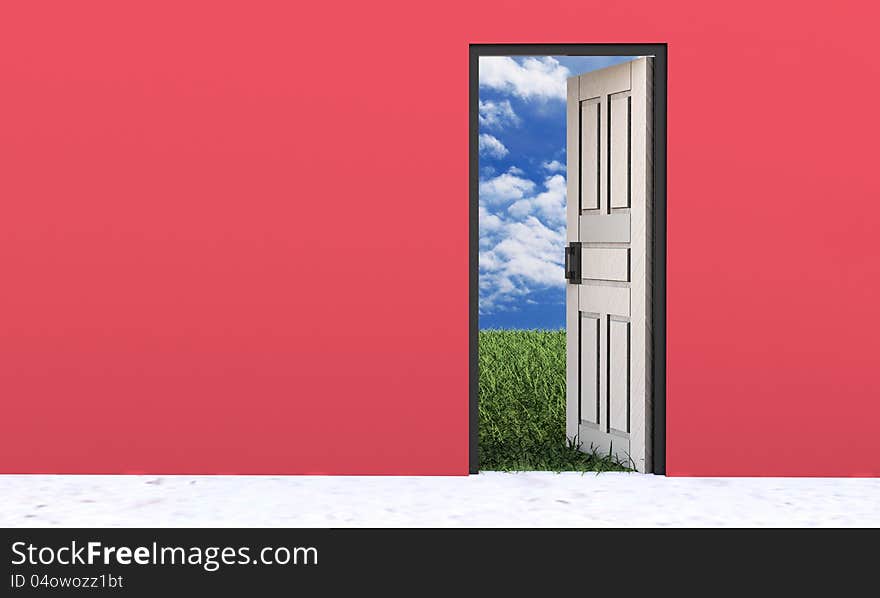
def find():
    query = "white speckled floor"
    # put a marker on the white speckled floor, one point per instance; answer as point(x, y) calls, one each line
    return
point(489, 499)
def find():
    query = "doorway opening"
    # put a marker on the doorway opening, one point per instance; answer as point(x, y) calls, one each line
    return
point(567, 256)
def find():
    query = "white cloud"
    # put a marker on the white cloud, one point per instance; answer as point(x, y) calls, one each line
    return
point(506, 187)
point(549, 205)
point(518, 259)
point(521, 248)
point(489, 223)
point(491, 146)
point(553, 166)
point(496, 115)
point(541, 77)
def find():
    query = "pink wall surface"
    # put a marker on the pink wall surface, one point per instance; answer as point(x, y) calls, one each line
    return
point(233, 235)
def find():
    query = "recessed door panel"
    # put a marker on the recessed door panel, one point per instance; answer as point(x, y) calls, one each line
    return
point(619, 181)
point(618, 375)
point(590, 155)
point(605, 228)
point(603, 263)
point(589, 373)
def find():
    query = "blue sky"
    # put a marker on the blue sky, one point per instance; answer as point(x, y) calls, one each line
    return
point(522, 187)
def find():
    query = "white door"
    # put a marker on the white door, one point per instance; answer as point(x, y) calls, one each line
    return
point(608, 295)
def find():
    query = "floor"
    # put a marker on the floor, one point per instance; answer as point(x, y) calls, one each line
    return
point(487, 500)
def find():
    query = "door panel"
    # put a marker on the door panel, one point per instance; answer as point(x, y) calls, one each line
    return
point(603, 263)
point(619, 140)
point(590, 155)
point(605, 228)
point(608, 298)
point(589, 380)
point(618, 368)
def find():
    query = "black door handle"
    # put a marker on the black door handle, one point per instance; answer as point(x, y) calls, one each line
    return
point(573, 262)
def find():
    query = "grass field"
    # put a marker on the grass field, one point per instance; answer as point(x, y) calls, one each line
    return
point(522, 404)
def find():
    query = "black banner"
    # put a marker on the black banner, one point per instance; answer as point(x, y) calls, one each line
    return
point(135, 562)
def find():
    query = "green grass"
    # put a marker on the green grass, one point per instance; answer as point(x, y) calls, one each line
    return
point(522, 404)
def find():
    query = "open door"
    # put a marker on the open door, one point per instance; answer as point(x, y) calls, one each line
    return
point(608, 261)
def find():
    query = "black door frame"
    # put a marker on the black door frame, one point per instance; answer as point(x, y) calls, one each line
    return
point(659, 52)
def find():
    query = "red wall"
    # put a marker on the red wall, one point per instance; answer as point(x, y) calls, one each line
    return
point(233, 235)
